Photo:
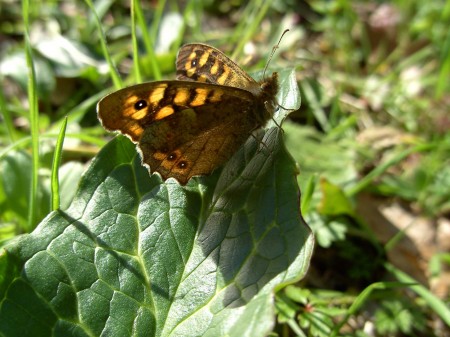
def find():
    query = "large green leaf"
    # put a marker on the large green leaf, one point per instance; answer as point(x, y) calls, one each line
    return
point(133, 256)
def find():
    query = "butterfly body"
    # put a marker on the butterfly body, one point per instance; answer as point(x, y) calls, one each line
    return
point(191, 126)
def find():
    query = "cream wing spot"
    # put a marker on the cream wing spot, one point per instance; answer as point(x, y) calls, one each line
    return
point(222, 78)
point(203, 59)
point(200, 97)
point(190, 72)
point(190, 65)
point(216, 96)
point(157, 94)
point(181, 97)
point(192, 55)
point(215, 67)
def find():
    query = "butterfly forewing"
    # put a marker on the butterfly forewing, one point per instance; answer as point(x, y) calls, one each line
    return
point(202, 63)
point(183, 129)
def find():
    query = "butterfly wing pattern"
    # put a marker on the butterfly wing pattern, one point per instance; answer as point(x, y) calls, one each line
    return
point(191, 126)
point(203, 63)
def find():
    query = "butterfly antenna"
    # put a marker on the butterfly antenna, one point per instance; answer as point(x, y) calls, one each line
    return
point(273, 52)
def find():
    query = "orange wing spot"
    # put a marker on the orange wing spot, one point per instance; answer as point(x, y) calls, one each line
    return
point(137, 115)
point(202, 78)
point(168, 160)
point(203, 59)
point(200, 98)
point(180, 166)
point(164, 112)
point(216, 96)
point(226, 71)
point(157, 94)
point(129, 103)
point(159, 155)
point(181, 97)
point(178, 170)
point(134, 131)
point(215, 67)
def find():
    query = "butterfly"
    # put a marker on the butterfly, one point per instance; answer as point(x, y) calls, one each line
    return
point(193, 125)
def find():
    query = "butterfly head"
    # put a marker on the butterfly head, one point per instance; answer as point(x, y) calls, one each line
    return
point(269, 86)
point(269, 89)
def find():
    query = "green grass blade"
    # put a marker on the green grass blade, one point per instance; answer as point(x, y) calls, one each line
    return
point(435, 303)
point(247, 12)
point(306, 196)
point(25, 141)
point(252, 24)
point(149, 40)
point(315, 106)
point(56, 164)
point(380, 169)
point(363, 297)
point(136, 67)
point(188, 14)
point(21, 143)
point(34, 118)
point(442, 83)
point(118, 84)
point(157, 19)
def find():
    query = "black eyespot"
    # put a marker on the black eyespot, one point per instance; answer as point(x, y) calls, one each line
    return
point(182, 165)
point(141, 104)
point(194, 63)
point(172, 156)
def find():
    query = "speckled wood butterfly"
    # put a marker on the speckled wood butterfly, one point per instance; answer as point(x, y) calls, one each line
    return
point(193, 125)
